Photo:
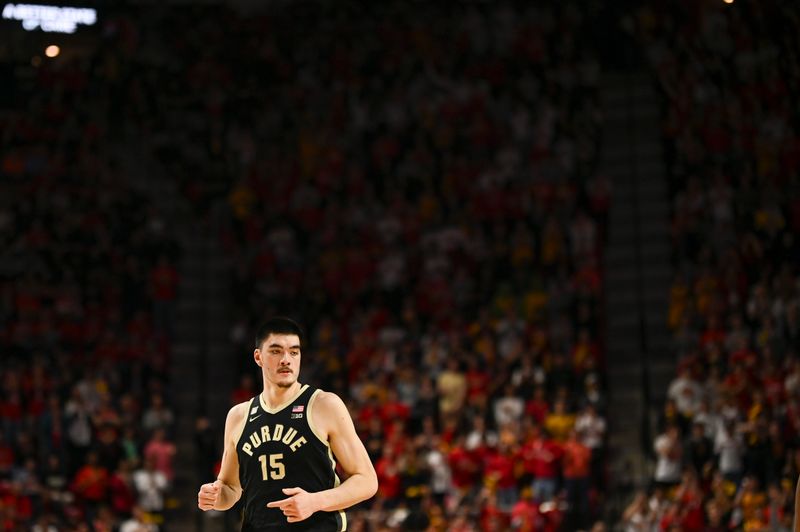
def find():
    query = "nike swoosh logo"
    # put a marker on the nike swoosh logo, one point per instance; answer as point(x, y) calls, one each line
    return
point(255, 417)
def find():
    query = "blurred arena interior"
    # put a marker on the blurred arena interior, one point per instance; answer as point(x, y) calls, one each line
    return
point(546, 252)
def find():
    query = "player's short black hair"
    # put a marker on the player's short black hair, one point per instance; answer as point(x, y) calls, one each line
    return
point(278, 325)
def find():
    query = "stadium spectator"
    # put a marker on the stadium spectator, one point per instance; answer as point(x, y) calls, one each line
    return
point(730, 144)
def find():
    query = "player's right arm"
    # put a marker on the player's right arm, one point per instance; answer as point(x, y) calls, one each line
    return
point(226, 490)
point(796, 524)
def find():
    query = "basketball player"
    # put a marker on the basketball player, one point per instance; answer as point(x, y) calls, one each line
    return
point(796, 523)
point(280, 445)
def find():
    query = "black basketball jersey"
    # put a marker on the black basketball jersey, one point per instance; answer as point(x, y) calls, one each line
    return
point(279, 449)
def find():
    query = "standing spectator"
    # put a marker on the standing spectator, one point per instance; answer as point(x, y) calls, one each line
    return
point(729, 447)
point(525, 513)
point(669, 454)
point(577, 459)
point(686, 393)
point(157, 415)
point(161, 452)
point(150, 484)
point(138, 522)
point(79, 429)
point(541, 456)
point(452, 387)
point(700, 451)
point(636, 516)
point(560, 422)
point(121, 490)
point(508, 409)
point(90, 484)
point(498, 472)
point(591, 429)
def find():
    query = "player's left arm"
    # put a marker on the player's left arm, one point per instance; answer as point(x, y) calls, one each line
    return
point(362, 482)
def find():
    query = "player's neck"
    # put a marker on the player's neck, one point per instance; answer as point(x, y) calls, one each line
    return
point(274, 396)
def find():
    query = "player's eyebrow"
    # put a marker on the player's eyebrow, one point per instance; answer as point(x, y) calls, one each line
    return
point(281, 347)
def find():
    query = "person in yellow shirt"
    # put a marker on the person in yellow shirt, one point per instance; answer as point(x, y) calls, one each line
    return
point(559, 423)
point(452, 387)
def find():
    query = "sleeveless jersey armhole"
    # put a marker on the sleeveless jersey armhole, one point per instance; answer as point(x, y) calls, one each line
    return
point(240, 430)
point(310, 417)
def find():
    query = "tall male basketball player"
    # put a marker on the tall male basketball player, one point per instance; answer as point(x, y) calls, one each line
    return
point(796, 523)
point(280, 447)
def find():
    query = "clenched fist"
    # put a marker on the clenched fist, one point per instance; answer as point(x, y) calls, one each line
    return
point(208, 495)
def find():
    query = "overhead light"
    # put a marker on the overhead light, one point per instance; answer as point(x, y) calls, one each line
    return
point(52, 51)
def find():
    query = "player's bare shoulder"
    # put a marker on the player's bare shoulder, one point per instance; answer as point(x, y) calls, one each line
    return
point(235, 420)
point(329, 411)
point(327, 404)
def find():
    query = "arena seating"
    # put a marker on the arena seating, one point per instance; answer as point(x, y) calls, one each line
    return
point(725, 457)
point(418, 186)
point(86, 266)
point(424, 196)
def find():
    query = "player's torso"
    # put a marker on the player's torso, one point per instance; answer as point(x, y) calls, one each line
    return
point(278, 449)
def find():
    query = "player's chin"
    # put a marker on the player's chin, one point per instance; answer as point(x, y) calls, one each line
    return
point(285, 380)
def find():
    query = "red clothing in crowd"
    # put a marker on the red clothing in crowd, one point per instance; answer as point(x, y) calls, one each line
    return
point(493, 519)
point(537, 409)
point(90, 483)
point(164, 282)
point(121, 495)
point(576, 459)
point(541, 457)
point(499, 465)
point(388, 478)
point(525, 516)
point(463, 467)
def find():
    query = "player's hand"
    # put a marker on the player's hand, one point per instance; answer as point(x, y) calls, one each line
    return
point(300, 505)
point(208, 495)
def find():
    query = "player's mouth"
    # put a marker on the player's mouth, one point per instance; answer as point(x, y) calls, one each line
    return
point(287, 371)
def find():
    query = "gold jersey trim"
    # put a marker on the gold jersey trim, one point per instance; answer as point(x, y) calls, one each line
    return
point(336, 483)
point(280, 407)
point(310, 418)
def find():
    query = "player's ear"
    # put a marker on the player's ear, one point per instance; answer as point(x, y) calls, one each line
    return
point(257, 356)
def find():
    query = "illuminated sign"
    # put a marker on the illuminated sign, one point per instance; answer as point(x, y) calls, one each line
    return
point(50, 18)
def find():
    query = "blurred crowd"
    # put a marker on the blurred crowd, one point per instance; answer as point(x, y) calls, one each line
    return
point(728, 449)
point(419, 186)
point(87, 283)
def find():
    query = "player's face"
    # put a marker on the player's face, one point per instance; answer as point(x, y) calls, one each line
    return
point(279, 358)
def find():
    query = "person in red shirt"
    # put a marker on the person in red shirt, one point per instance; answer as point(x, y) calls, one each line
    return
point(388, 477)
point(689, 497)
point(463, 467)
point(498, 471)
point(538, 407)
point(492, 518)
point(120, 487)
point(91, 483)
point(393, 409)
point(541, 456)
point(525, 515)
point(576, 468)
point(245, 390)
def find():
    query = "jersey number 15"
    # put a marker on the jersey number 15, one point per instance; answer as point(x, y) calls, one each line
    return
point(275, 470)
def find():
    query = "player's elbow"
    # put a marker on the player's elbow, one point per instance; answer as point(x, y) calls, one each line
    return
point(371, 484)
